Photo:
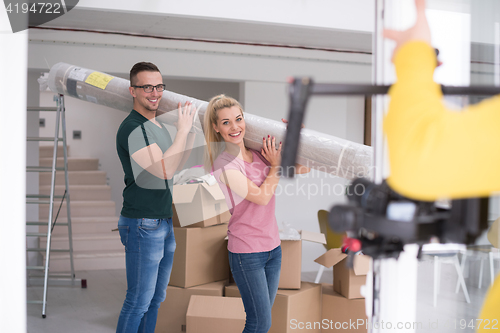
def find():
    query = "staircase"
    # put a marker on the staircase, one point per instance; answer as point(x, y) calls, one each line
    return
point(95, 246)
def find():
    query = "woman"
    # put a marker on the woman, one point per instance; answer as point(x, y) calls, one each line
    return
point(248, 179)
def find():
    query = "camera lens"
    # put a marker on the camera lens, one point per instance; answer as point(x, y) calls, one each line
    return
point(344, 218)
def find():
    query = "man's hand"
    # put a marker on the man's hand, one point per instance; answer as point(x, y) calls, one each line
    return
point(420, 31)
point(186, 115)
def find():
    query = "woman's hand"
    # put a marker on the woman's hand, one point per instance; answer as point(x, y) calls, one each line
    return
point(286, 122)
point(270, 151)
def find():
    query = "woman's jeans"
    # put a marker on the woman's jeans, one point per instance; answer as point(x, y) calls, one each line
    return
point(257, 276)
point(149, 254)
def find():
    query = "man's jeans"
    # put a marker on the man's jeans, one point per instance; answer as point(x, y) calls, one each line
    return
point(257, 276)
point(149, 254)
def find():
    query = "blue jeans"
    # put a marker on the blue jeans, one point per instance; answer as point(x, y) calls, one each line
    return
point(257, 276)
point(149, 254)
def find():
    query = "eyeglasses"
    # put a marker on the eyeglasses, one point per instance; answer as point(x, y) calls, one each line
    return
point(149, 88)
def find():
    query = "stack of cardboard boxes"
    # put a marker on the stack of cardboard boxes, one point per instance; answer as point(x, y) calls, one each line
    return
point(201, 265)
point(343, 304)
point(200, 298)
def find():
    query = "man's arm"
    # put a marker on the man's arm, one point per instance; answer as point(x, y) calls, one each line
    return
point(164, 165)
point(187, 150)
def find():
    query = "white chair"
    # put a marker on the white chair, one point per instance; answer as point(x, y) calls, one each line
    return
point(446, 253)
point(494, 237)
point(482, 253)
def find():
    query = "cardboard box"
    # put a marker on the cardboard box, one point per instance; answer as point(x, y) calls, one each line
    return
point(200, 257)
point(199, 203)
point(291, 260)
point(346, 282)
point(342, 314)
point(293, 310)
point(172, 312)
point(212, 314)
point(219, 219)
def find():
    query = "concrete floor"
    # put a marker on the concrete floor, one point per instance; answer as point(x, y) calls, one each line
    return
point(96, 309)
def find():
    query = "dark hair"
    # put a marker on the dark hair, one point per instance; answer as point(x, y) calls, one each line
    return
point(142, 67)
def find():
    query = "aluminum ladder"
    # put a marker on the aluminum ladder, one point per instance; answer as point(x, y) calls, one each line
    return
point(45, 278)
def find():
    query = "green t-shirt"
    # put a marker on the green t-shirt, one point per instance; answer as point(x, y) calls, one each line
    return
point(145, 195)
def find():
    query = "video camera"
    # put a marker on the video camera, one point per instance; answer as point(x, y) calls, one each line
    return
point(384, 221)
point(381, 219)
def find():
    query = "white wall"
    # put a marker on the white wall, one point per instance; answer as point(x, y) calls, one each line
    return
point(338, 14)
point(263, 73)
point(483, 15)
point(13, 87)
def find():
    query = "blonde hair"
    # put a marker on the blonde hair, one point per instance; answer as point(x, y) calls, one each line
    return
point(214, 139)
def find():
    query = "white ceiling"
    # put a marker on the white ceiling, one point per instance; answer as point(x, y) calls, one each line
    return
point(212, 29)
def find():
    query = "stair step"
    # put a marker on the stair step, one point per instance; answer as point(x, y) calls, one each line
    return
point(81, 192)
point(87, 261)
point(84, 225)
point(48, 150)
point(74, 163)
point(95, 246)
point(94, 177)
point(86, 242)
point(80, 209)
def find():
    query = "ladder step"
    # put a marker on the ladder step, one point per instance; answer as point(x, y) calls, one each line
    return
point(42, 196)
point(61, 276)
point(38, 138)
point(38, 249)
point(51, 276)
point(46, 166)
point(40, 202)
point(41, 108)
point(36, 234)
point(44, 223)
point(34, 302)
point(42, 169)
point(62, 281)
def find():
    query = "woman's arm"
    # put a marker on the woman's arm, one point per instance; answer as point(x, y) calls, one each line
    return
point(245, 188)
point(301, 169)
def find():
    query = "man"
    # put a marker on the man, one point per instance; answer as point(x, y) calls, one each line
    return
point(149, 159)
point(435, 152)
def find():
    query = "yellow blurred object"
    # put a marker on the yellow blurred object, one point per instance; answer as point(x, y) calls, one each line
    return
point(490, 313)
point(493, 233)
point(333, 239)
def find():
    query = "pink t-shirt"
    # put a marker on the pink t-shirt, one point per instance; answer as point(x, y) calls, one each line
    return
point(252, 227)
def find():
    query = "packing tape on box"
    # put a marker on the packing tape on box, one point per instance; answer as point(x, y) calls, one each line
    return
point(319, 151)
